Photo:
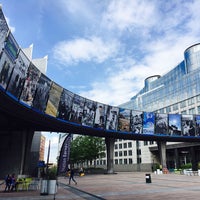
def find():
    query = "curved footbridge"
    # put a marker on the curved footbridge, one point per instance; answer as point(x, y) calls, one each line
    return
point(31, 102)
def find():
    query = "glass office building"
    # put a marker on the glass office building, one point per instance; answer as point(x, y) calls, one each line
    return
point(177, 91)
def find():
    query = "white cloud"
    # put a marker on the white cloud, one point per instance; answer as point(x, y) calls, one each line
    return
point(84, 50)
point(153, 34)
point(122, 14)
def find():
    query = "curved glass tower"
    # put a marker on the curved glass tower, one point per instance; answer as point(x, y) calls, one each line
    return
point(176, 91)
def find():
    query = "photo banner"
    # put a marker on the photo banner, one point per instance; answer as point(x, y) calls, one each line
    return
point(18, 75)
point(100, 116)
point(197, 119)
point(174, 126)
point(161, 126)
point(89, 113)
point(124, 120)
point(63, 160)
point(42, 93)
point(188, 125)
point(6, 67)
point(148, 122)
point(53, 101)
point(3, 30)
point(11, 47)
point(111, 118)
point(30, 85)
point(136, 121)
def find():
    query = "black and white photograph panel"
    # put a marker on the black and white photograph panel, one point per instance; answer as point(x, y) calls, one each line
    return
point(136, 121)
point(89, 113)
point(6, 67)
point(18, 76)
point(100, 116)
point(30, 85)
point(112, 118)
point(65, 105)
point(42, 93)
point(188, 125)
point(161, 124)
point(4, 29)
point(77, 109)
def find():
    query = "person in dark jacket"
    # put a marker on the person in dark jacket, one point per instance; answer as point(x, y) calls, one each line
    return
point(71, 176)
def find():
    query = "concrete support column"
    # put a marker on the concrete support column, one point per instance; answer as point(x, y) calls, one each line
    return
point(110, 154)
point(194, 160)
point(176, 159)
point(162, 153)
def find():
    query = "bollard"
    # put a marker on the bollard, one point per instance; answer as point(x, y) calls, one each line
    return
point(44, 187)
point(148, 178)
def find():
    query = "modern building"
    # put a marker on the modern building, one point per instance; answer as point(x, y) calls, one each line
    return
point(177, 91)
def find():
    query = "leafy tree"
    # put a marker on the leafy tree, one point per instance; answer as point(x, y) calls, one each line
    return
point(86, 149)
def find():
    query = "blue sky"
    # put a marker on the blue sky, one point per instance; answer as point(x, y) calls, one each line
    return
point(104, 49)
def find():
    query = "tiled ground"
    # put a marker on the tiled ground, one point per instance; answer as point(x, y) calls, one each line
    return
point(120, 186)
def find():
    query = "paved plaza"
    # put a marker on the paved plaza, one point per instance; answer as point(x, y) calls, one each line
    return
point(123, 185)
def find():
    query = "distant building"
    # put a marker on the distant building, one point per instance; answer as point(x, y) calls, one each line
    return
point(177, 91)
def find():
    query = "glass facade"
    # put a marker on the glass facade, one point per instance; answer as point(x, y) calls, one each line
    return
point(173, 91)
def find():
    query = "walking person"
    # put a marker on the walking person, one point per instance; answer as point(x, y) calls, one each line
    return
point(71, 176)
point(8, 183)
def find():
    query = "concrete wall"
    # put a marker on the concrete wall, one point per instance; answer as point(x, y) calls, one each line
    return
point(15, 152)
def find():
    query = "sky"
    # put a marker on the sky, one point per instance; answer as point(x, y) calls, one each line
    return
point(104, 49)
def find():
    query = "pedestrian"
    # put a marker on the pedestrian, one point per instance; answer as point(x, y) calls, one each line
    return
point(71, 176)
point(8, 183)
point(13, 183)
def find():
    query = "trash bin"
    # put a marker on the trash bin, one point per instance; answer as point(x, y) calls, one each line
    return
point(44, 187)
point(148, 178)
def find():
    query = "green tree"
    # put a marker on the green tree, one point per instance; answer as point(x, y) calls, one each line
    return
point(86, 149)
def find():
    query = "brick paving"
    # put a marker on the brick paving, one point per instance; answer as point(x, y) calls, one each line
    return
point(123, 185)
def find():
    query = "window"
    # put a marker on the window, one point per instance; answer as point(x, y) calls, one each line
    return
point(130, 161)
point(116, 146)
point(198, 98)
point(130, 144)
point(116, 153)
point(198, 109)
point(139, 160)
point(184, 112)
point(168, 109)
point(151, 142)
point(116, 162)
point(120, 153)
point(120, 161)
point(125, 145)
point(192, 111)
point(120, 146)
point(191, 101)
point(125, 153)
point(183, 104)
point(130, 152)
point(125, 161)
point(138, 151)
point(175, 107)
